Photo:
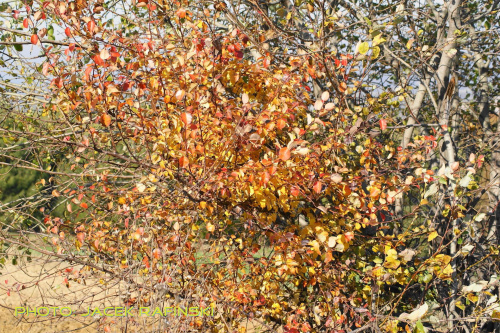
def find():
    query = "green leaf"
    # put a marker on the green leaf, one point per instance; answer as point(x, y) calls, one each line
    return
point(419, 328)
point(18, 47)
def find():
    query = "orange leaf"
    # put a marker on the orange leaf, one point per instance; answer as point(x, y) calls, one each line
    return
point(183, 162)
point(157, 253)
point(91, 26)
point(84, 205)
point(284, 153)
point(264, 178)
point(383, 124)
point(266, 62)
point(186, 118)
point(80, 236)
point(317, 186)
point(295, 191)
point(67, 31)
point(328, 257)
point(98, 60)
point(179, 95)
point(281, 123)
point(181, 13)
point(34, 39)
point(106, 120)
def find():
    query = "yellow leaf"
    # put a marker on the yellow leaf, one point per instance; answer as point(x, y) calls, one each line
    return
point(315, 245)
point(378, 40)
point(473, 298)
point(363, 48)
point(410, 43)
point(432, 235)
point(460, 305)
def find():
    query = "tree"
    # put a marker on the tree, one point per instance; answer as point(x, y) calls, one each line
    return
point(236, 155)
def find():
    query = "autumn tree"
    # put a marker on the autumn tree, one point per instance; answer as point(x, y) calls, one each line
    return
point(248, 156)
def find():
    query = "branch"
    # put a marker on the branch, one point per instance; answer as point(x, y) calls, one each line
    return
point(48, 41)
point(414, 125)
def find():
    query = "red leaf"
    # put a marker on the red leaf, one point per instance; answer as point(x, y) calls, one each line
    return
point(67, 31)
point(295, 191)
point(26, 23)
point(284, 153)
point(84, 205)
point(383, 124)
point(480, 161)
point(34, 39)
